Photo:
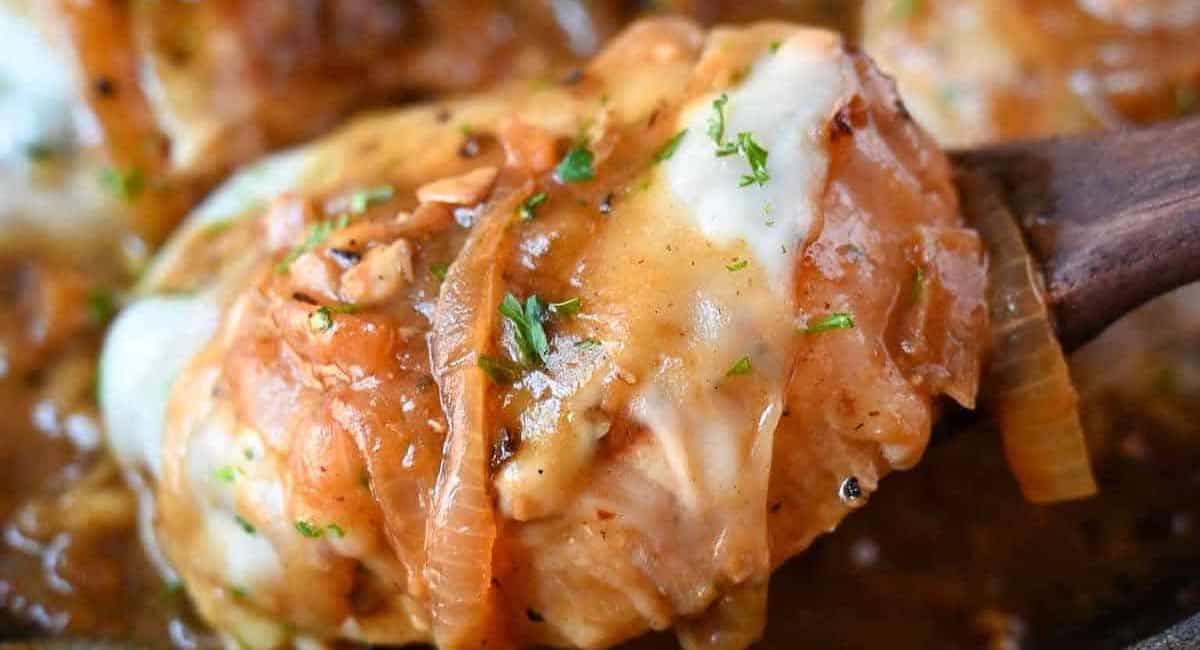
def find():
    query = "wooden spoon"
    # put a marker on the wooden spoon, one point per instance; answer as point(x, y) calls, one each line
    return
point(1113, 219)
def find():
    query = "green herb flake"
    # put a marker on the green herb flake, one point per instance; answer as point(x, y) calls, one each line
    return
point(308, 530)
point(238, 592)
point(1165, 382)
point(317, 233)
point(321, 320)
point(101, 306)
point(364, 198)
point(918, 287)
point(38, 152)
point(905, 9)
point(527, 322)
point(214, 228)
point(716, 122)
point(1187, 99)
point(834, 321)
point(568, 307)
point(576, 166)
point(225, 474)
point(742, 367)
point(335, 531)
point(501, 371)
point(124, 185)
point(172, 587)
point(668, 149)
point(529, 206)
point(245, 525)
point(949, 94)
point(745, 144)
point(737, 265)
point(775, 45)
point(588, 344)
point(439, 270)
point(757, 157)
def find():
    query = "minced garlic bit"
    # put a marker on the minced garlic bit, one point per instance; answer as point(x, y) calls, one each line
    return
point(465, 189)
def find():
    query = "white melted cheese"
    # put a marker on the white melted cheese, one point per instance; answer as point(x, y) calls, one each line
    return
point(149, 344)
point(785, 102)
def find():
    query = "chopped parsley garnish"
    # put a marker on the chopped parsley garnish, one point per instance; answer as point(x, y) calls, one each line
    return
point(527, 322)
point(757, 157)
point(365, 197)
point(245, 525)
point(529, 206)
point(317, 233)
point(101, 306)
point(754, 153)
point(668, 149)
point(530, 335)
point(576, 166)
point(124, 185)
point(775, 45)
point(344, 308)
point(716, 122)
point(1165, 381)
point(238, 592)
point(225, 474)
point(500, 371)
point(219, 226)
point(439, 270)
point(335, 531)
point(737, 265)
point(918, 288)
point(905, 9)
point(949, 93)
point(834, 321)
point(568, 307)
point(38, 152)
point(588, 344)
point(1187, 98)
point(320, 320)
point(308, 530)
point(742, 367)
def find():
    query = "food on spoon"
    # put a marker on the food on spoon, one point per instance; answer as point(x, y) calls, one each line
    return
point(647, 335)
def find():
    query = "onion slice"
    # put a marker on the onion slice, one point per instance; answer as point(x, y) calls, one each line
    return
point(462, 529)
point(734, 621)
point(1028, 380)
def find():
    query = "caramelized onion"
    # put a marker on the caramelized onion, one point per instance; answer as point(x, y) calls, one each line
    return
point(736, 620)
point(462, 529)
point(1028, 379)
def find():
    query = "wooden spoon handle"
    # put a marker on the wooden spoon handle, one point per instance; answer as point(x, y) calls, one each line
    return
point(1114, 219)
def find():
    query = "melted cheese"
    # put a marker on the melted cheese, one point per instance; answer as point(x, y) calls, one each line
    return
point(785, 103)
point(150, 343)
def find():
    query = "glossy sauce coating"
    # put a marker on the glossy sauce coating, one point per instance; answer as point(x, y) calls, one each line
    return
point(355, 446)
